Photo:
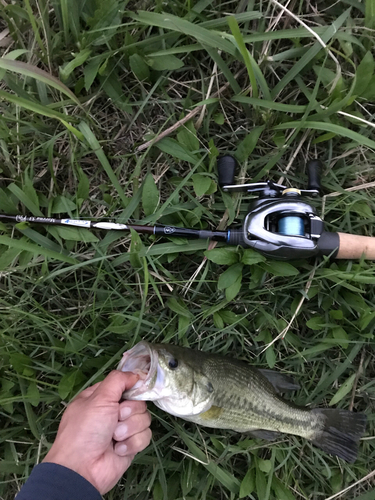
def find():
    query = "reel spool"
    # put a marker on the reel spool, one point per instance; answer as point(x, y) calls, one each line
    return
point(291, 225)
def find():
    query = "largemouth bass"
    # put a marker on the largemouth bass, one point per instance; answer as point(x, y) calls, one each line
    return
point(225, 393)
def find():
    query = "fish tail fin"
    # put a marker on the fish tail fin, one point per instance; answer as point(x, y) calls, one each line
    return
point(341, 432)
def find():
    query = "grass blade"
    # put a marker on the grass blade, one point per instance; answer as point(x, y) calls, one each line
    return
point(264, 103)
point(311, 53)
point(29, 70)
point(25, 200)
point(244, 52)
point(23, 244)
point(35, 107)
point(98, 150)
point(329, 127)
point(34, 25)
point(168, 21)
point(223, 476)
point(215, 56)
point(344, 389)
point(370, 14)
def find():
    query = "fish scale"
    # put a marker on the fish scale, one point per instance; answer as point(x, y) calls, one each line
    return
point(257, 407)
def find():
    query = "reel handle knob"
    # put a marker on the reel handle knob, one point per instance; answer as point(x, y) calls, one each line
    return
point(314, 168)
point(226, 168)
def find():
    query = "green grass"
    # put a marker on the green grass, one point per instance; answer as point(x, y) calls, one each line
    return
point(83, 85)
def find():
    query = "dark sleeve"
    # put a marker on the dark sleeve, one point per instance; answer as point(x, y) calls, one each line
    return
point(50, 481)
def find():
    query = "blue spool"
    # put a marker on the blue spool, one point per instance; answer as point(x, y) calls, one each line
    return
point(291, 226)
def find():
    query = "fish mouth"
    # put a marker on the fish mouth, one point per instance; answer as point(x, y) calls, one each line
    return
point(144, 362)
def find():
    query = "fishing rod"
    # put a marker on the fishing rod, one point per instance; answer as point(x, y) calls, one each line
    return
point(279, 223)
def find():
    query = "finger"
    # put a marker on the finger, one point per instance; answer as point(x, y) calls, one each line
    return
point(87, 392)
point(134, 444)
point(128, 408)
point(112, 387)
point(132, 425)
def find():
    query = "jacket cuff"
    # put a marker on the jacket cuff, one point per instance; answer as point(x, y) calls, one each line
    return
point(50, 481)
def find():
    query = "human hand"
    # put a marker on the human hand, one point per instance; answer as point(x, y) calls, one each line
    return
point(84, 441)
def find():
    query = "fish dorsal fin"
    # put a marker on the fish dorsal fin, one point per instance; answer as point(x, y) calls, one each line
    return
point(280, 381)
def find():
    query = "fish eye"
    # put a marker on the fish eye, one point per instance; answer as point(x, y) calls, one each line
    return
point(210, 387)
point(173, 363)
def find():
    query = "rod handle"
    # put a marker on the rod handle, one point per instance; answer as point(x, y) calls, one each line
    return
point(226, 169)
point(314, 168)
point(352, 246)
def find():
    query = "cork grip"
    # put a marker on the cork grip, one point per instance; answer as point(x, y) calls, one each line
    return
point(353, 247)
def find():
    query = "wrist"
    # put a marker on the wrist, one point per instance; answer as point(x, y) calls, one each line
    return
point(61, 457)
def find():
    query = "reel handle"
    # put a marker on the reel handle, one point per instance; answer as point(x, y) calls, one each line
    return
point(314, 168)
point(226, 169)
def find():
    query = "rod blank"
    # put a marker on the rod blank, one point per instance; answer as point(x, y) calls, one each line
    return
point(176, 232)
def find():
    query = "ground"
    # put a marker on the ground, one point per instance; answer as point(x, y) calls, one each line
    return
point(94, 98)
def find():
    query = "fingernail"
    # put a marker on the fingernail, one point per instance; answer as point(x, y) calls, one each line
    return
point(121, 449)
point(121, 432)
point(125, 412)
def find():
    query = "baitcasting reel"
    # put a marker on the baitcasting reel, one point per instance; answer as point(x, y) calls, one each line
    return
point(280, 224)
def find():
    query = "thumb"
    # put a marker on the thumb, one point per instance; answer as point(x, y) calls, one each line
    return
point(112, 387)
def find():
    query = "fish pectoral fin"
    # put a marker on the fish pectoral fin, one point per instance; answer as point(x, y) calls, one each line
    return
point(213, 412)
point(280, 381)
point(267, 435)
